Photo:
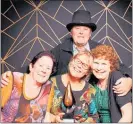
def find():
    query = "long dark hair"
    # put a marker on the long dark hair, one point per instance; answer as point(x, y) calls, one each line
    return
point(41, 54)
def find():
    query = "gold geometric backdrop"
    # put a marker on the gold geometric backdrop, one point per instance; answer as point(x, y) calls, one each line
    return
point(29, 27)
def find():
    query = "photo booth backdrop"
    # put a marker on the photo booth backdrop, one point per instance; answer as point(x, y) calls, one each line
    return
point(28, 27)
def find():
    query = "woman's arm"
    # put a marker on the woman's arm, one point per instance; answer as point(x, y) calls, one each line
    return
point(121, 101)
point(126, 112)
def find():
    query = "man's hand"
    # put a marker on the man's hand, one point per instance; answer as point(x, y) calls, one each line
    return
point(123, 86)
point(5, 79)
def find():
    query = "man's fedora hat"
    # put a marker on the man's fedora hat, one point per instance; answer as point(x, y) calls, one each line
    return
point(81, 18)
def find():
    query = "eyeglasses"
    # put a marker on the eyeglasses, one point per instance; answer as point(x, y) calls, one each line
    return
point(78, 61)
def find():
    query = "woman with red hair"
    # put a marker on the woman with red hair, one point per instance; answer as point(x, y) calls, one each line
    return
point(111, 107)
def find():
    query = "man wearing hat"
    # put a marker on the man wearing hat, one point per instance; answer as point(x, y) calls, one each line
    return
point(80, 30)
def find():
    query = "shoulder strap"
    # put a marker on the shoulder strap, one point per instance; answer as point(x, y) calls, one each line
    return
point(51, 95)
point(18, 81)
point(7, 90)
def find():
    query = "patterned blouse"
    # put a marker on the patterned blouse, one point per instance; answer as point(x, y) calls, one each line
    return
point(17, 102)
point(85, 105)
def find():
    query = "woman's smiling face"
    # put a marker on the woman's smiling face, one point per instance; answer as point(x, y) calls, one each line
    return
point(101, 68)
point(79, 66)
point(42, 69)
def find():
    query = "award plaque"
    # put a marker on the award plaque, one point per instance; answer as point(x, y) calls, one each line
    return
point(68, 104)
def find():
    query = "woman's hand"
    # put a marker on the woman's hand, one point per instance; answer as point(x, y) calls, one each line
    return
point(53, 118)
point(123, 86)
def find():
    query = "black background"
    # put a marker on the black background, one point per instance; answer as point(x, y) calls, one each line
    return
point(28, 27)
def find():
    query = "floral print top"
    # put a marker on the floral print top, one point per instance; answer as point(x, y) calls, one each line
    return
point(85, 107)
point(17, 102)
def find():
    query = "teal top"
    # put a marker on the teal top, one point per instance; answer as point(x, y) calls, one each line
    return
point(102, 105)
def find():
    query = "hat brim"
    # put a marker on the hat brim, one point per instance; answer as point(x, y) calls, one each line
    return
point(90, 25)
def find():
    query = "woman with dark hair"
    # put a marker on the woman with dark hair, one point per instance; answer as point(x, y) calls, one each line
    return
point(25, 97)
point(111, 107)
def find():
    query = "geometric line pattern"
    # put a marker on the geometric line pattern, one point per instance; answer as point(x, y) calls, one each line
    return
point(29, 27)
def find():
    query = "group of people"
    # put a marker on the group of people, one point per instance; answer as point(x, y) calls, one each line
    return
point(100, 85)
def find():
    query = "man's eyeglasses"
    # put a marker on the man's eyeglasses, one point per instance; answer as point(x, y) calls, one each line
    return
point(78, 61)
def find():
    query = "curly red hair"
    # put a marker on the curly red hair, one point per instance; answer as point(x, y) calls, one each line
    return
point(108, 53)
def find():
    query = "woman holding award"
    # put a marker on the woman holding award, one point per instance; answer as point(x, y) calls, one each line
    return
point(71, 95)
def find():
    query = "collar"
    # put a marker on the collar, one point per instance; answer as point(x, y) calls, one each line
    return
point(67, 45)
point(75, 51)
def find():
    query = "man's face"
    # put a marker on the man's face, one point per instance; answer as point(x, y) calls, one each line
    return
point(80, 35)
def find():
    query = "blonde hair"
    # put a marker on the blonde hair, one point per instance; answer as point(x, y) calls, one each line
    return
point(108, 53)
point(88, 55)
